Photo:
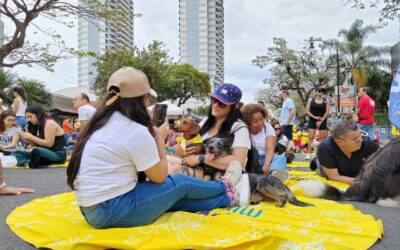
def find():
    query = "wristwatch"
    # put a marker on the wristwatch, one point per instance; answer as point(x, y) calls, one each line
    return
point(202, 158)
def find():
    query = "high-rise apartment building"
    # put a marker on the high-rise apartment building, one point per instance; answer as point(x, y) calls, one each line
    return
point(201, 36)
point(97, 36)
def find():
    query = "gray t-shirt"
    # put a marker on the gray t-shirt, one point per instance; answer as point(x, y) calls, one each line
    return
point(7, 137)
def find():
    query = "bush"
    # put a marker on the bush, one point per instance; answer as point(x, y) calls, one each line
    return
point(382, 119)
point(202, 110)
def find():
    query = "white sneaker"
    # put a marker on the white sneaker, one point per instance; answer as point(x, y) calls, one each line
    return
point(308, 156)
point(233, 174)
point(241, 192)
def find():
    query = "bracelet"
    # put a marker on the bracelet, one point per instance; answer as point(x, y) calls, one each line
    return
point(3, 185)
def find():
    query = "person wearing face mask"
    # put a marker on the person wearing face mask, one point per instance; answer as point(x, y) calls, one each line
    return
point(317, 109)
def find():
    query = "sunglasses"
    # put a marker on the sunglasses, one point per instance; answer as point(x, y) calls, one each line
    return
point(320, 90)
point(216, 101)
point(277, 128)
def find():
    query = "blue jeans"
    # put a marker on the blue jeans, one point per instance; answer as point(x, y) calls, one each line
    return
point(369, 128)
point(277, 163)
point(148, 201)
point(21, 121)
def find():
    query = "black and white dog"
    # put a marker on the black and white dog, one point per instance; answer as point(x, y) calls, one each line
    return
point(378, 181)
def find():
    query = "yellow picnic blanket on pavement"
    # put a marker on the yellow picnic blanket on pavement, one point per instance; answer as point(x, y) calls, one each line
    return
point(55, 222)
point(299, 164)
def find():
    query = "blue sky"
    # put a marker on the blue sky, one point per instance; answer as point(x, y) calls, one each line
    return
point(250, 26)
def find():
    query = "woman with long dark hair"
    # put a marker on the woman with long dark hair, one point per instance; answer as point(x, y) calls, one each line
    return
point(19, 105)
point(118, 143)
point(45, 138)
point(224, 120)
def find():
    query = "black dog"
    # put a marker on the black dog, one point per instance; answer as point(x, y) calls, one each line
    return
point(215, 147)
point(378, 181)
point(267, 187)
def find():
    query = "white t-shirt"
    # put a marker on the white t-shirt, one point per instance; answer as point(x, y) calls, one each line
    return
point(7, 137)
point(111, 158)
point(21, 107)
point(241, 132)
point(86, 112)
point(258, 140)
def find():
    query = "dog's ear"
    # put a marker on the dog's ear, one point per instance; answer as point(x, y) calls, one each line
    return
point(195, 128)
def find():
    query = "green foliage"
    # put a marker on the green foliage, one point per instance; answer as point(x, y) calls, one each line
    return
point(300, 71)
point(358, 56)
point(35, 92)
point(7, 79)
point(202, 110)
point(185, 82)
point(172, 81)
point(381, 119)
point(379, 83)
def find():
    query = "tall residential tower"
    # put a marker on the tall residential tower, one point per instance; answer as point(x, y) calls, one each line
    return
point(97, 36)
point(201, 36)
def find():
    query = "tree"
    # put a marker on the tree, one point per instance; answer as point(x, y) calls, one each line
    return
point(185, 82)
point(36, 92)
point(359, 57)
point(388, 9)
point(20, 15)
point(300, 71)
point(172, 81)
point(379, 83)
point(7, 79)
point(153, 61)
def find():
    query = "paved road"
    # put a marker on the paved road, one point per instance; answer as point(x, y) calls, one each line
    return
point(53, 181)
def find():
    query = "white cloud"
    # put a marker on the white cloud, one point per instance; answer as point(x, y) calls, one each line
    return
point(250, 26)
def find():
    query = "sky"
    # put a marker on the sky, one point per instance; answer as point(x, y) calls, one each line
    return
point(250, 26)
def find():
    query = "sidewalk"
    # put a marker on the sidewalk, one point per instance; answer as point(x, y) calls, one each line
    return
point(53, 181)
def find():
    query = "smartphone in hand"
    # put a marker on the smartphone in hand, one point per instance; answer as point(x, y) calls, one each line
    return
point(159, 114)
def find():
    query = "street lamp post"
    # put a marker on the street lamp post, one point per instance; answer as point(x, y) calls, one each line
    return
point(336, 44)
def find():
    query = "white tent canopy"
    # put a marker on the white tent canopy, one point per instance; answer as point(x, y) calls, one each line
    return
point(172, 108)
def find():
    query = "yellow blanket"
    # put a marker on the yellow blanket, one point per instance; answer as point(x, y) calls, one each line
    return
point(55, 222)
point(298, 164)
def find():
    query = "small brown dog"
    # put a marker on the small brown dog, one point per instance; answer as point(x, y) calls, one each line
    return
point(190, 138)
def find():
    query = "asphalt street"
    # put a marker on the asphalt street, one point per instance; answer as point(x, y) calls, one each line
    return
point(53, 181)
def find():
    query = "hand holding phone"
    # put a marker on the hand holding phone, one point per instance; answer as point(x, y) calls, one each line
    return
point(159, 114)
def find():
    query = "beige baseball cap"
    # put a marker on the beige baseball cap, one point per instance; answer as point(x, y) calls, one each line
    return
point(130, 82)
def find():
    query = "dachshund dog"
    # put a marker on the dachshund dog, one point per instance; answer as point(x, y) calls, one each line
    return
point(191, 137)
point(268, 187)
point(378, 181)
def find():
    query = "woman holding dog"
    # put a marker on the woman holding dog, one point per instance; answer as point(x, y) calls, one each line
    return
point(106, 165)
point(264, 140)
point(224, 120)
point(317, 109)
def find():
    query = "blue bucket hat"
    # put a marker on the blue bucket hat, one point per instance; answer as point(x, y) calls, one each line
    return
point(227, 93)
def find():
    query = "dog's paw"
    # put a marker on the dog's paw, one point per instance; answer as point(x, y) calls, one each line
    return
point(388, 203)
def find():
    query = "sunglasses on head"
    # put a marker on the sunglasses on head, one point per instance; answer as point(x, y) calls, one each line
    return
point(216, 101)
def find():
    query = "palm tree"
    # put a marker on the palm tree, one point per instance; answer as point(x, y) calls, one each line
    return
point(35, 92)
point(359, 57)
point(7, 79)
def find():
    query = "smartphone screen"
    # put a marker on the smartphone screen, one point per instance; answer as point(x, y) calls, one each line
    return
point(159, 114)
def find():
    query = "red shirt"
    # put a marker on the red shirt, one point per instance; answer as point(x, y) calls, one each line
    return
point(366, 106)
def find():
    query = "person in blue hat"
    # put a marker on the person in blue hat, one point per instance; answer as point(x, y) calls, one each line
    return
point(224, 120)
